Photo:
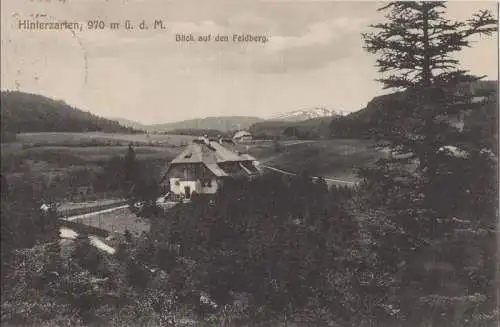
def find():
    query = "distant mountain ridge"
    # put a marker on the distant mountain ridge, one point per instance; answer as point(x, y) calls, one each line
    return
point(226, 124)
point(305, 114)
point(222, 123)
point(31, 113)
point(308, 129)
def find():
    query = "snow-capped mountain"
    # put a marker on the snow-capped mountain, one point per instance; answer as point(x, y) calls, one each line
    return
point(299, 115)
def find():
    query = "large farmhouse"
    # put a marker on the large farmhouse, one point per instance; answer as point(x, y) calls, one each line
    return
point(204, 165)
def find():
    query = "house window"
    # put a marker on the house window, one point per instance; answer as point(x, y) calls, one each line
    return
point(207, 183)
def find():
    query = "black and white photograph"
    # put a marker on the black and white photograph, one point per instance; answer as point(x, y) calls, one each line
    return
point(250, 163)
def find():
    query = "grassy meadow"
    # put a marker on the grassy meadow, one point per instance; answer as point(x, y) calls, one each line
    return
point(117, 221)
point(79, 139)
point(66, 161)
point(336, 159)
point(49, 151)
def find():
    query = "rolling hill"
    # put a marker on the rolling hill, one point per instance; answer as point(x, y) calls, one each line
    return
point(307, 129)
point(31, 113)
point(228, 124)
point(222, 123)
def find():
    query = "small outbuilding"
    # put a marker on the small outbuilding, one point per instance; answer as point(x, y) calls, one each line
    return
point(242, 136)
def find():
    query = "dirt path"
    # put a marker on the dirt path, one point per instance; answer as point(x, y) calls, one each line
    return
point(67, 233)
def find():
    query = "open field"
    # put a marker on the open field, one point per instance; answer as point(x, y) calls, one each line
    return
point(94, 145)
point(68, 161)
point(117, 221)
point(64, 160)
point(328, 158)
point(88, 204)
point(98, 153)
point(77, 139)
point(56, 151)
point(68, 209)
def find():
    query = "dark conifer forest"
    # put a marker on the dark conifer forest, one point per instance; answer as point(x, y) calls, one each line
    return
point(32, 113)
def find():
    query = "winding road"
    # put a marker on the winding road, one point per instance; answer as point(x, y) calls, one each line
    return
point(284, 172)
point(313, 177)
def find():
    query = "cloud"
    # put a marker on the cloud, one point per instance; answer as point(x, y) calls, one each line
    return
point(320, 33)
point(314, 56)
point(318, 45)
point(203, 27)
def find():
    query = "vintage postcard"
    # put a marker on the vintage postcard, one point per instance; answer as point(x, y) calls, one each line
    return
point(249, 163)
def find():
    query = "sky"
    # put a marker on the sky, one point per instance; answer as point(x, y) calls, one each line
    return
point(313, 56)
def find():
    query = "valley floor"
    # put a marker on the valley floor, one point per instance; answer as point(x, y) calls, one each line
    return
point(333, 159)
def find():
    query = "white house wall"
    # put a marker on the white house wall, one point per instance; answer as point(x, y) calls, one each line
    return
point(177, 185)
point(173, 187)
point(195, 186)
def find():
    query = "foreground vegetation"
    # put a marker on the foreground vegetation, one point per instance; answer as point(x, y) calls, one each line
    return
point(273, 251)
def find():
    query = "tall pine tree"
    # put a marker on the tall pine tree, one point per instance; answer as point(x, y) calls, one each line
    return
point(131, 171)
point(416, 50)
point(426, 216)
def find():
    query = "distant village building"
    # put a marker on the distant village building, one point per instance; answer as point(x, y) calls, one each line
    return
point(242, 136)
point(204, 165)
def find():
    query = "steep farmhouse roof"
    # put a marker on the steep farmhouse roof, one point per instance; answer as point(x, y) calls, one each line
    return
point(209, 152)
point(216, 170)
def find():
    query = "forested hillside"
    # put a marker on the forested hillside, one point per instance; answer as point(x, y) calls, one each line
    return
point(25, 113)
point(306, 129)
point(384, 112)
